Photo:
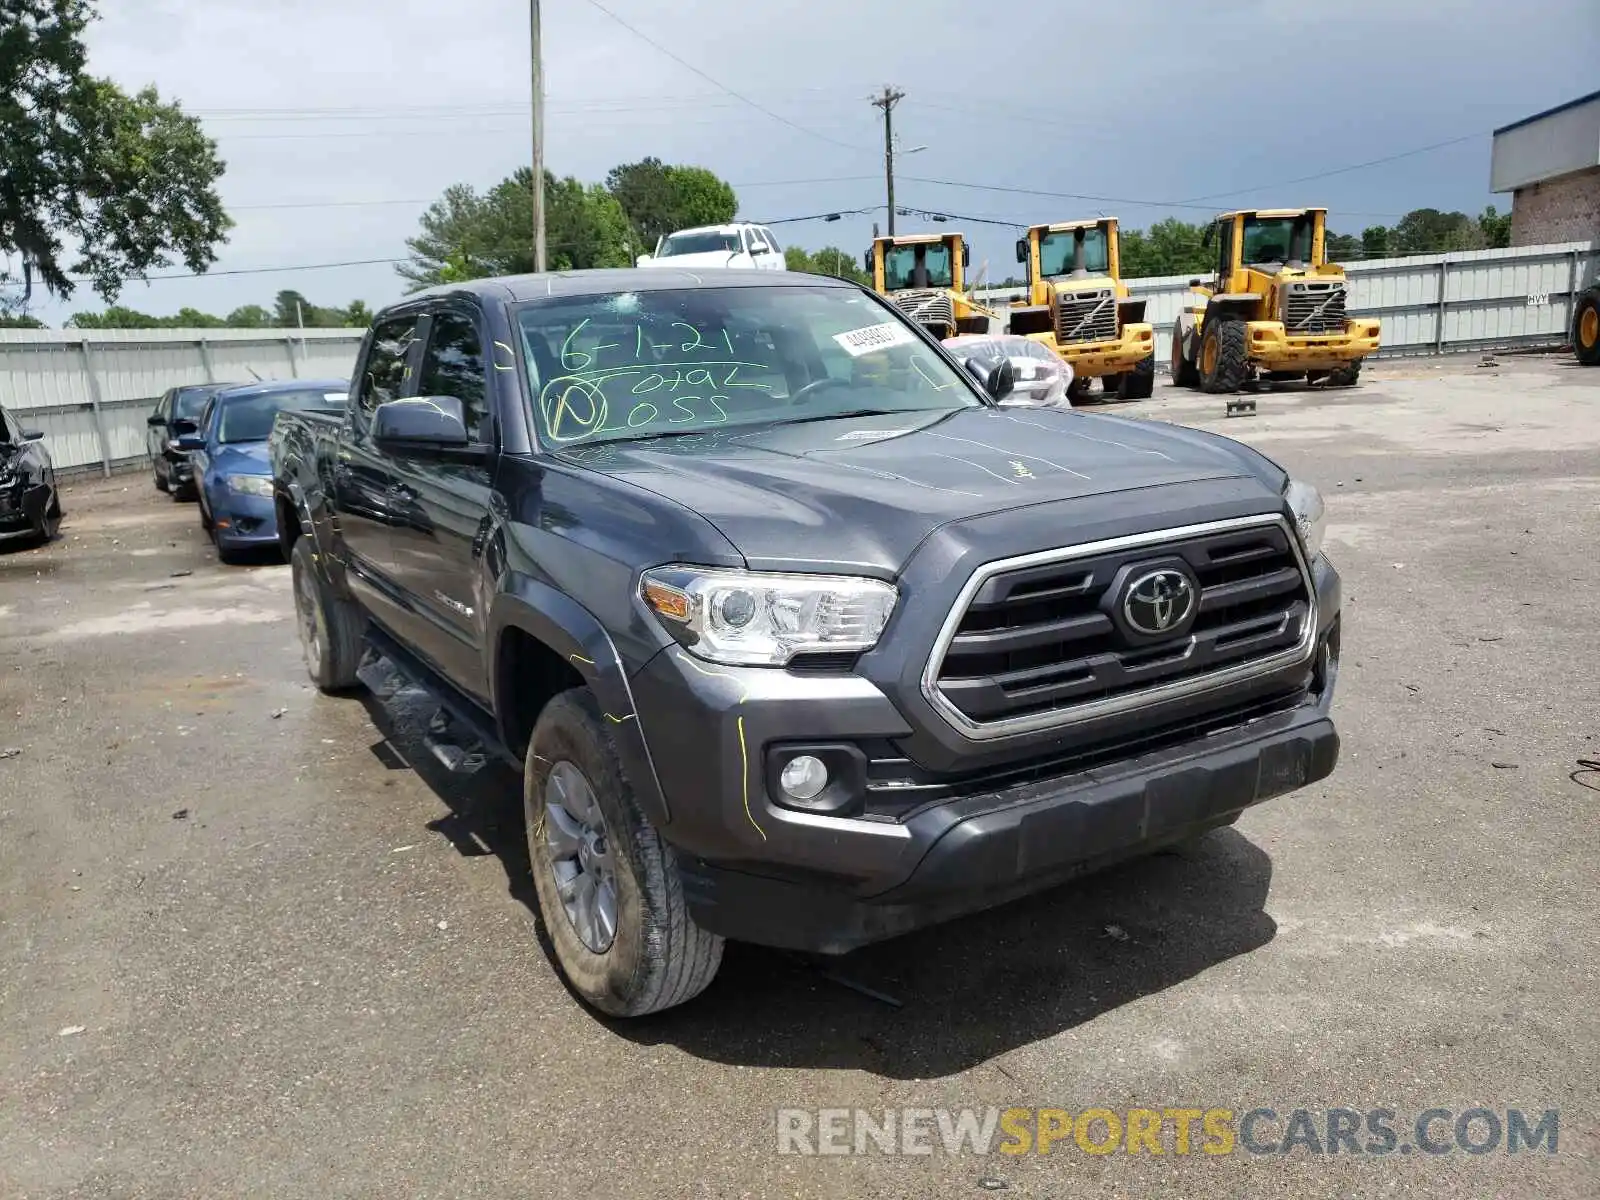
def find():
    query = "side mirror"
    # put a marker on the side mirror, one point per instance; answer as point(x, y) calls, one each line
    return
point(32, 435)
point(758, 248)
point(183, 425)
point(1194, 283)
point(643, 260)
point(994, 375)
point(866, 262)
point(966, 255)
point(424, 427)
point(1022, 250)
point(189, 442)
point(155, 420)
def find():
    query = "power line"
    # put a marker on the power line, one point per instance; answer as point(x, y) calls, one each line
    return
point(1016, 191)
point(1374, 162)
point(716, 82)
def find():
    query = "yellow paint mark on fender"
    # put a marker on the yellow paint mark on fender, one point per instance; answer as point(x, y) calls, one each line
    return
point(620, 720)
point(578, 658)
point(744, 780)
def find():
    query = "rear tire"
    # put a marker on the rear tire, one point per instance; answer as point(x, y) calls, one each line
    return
point(608, 885)
point(1586, 329)
point(1139, 383)
point(1346, 376)
point(1224, 360)
point(1184, 373)
point(330, 627)
point(1078, 391)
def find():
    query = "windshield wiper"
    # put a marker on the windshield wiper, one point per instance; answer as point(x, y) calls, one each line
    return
point(849, 413)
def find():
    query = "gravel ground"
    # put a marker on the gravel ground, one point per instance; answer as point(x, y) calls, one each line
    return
point(252, 943)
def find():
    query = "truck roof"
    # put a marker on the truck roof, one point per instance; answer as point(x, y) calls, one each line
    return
point(1267, 212)
point(624, 279)
point(913, 239)
point(1063, 226)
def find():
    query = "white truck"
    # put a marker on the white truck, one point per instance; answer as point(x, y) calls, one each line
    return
point(751, 247)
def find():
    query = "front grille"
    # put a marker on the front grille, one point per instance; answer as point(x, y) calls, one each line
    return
point(1313, 307)
point(1086, 316)
point(931, 308)
point(1037, 644)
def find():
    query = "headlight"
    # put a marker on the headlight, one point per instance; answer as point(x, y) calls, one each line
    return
point(747, 618)
point(1310, 517)
point(172, 444)
point(250, 485)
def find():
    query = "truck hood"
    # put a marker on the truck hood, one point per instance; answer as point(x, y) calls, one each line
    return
point(864, 492)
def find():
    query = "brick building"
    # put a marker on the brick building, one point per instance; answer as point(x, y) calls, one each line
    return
point(1550, 163)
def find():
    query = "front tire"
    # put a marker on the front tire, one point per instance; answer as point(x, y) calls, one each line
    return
point(1345, 376)
point(1224, 360)
point(162, 484)
point(330, 628)
point(1586, 329)
point(608, 885)
point(1183, 371)
point(1139, 383)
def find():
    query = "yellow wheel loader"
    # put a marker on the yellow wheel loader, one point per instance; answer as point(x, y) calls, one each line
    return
point(923, 275)
point(1276, 307)
point(1080, 308)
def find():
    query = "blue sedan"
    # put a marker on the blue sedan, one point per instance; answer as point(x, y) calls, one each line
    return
point(231, 468)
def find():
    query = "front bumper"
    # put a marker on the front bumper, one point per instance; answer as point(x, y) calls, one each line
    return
point(1090, 360)
point(1272, 348)
point(22, 509)
point(240, 521)
point(997, 826)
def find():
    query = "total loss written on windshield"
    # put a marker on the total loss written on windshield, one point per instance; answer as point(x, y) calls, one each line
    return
point(645, 364)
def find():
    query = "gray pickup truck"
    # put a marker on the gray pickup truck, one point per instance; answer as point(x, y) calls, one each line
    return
point(795, 634)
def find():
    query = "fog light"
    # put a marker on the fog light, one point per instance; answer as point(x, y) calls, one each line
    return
point(803, 777)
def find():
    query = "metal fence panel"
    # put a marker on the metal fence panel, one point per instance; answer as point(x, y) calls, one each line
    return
point(89, 391)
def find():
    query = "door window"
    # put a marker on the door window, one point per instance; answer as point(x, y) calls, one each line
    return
point(454, 366)
point(383, 376)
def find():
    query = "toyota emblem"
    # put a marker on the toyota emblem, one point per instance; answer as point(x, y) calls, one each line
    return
point(1159, 602)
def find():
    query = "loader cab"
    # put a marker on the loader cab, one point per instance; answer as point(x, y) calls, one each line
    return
point(1069, 252)
point(1266, 242)
point(919, 261)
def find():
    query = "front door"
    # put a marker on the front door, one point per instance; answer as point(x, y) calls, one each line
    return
point(441, 512)
point(362, 482)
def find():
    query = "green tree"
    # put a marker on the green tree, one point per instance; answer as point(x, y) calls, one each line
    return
point(1375, 241)
point(192, 318)
point(20, 321)
point(470, 235)
point(358, 314)
point(249, 316)
point(115, 317)
point(1169, 247)
point(830, 260)
point(658, 198)
point(1496, 229)
point(1429, 231)
point(127, 181)
point(1341, 246)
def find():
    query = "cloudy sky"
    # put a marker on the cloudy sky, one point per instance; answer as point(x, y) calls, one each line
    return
point(341, 119)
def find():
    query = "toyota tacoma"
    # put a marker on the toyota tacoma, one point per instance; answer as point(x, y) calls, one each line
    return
point(795, 634)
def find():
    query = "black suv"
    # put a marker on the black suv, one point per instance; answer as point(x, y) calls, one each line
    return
point(177, 414)
point(795, 634)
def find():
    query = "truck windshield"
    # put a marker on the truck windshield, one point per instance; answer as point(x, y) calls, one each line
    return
point(1270, 240)
point(706, 242)
point(900, 266)
point(647, 364)
point(1058, 252)
point(249, 418)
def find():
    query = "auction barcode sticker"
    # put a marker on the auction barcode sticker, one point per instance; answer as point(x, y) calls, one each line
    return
point(869, 338)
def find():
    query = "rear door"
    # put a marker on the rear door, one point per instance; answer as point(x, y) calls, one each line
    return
point(362, 480)
point(441, 509)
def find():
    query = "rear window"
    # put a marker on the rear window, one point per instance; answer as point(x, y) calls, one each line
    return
point(249, 418)
point(189, 403)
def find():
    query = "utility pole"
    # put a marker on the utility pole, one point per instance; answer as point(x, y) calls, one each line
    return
point(539, 263)
point(890, 97)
